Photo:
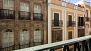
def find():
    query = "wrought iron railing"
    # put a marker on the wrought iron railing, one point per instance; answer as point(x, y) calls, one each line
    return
point(38, 16)
point(23, 15)
point(81, 23)
point(87, 19)
point(71, 23)
point(60, 23)
point(7, 14)
point(79, 44)
point(10, 48)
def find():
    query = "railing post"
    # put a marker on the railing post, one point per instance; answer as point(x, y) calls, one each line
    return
point(86, 46)
point(89, 44)
point(52, 49)
point(64, 49)
point(78, 47)
point(68, 48)
point(75, 44)
point(82, 47)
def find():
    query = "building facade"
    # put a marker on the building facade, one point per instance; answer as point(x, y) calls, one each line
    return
point(87, 15)
point(23, 23)
point(65, 21)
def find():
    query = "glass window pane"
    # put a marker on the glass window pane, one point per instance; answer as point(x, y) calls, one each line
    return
point(5, 35)
point(37, 8)
point(11, 4)
point(11, 34)
point(26, 7)
point(5, 4)
point(22, 6)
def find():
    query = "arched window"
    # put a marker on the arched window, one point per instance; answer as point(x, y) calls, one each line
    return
point(37, 36)
point(24, 37)
point(8, 38)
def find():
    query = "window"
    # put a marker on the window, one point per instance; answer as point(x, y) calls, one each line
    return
point(80, 21)
point(24, 37)
point(8, 38)
point(56, 19)
point(37, 8)
point(8, 4)
point(24, 6)
point(70, 35)
point(69, 20)
point(37, 36)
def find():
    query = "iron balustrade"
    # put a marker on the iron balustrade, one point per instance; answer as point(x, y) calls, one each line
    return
point(80, 44)
point(87, 18)
point(7, 14)
point(81, 23)
point(10, 48)
point(60, 23)
point(23, 15)
point(38, 16)
point(71, 23)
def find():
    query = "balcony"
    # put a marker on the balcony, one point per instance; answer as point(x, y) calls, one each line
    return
point(57, 24)
point(71, 23)
point(23, 15)
point(38, 16)
point(10, 48)
point(7, 14)
point(87, 19)
point(81, 23)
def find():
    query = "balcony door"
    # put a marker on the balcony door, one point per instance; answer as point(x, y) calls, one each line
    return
point(70, 20)
point(56, 19)
point(80, 21)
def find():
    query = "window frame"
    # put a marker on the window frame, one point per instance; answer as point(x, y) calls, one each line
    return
point(23, 38)
point(9, 37)
point(37, 40)
point(37, 8)
point(24, 5)
point(72, 34)
point(8, 4)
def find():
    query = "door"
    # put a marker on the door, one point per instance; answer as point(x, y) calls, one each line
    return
point(57, 36)
point(56, 19)
point(70, 20)
point(82, 21)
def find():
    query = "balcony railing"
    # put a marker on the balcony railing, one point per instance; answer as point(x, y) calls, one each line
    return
point(23, 15)
point(58, 24)
point(81, 23)
point(7, 14)
point(71, 23)
point(11, 48)
point(87, 19)
point(38, 16)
